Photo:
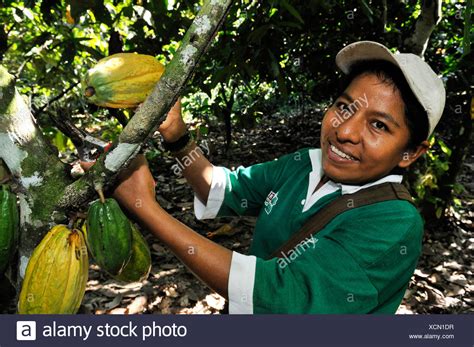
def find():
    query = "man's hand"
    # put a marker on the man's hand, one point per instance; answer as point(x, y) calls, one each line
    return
point(173, 127)
point(136, 190)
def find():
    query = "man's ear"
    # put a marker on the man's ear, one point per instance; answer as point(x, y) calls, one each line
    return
point(409, 156)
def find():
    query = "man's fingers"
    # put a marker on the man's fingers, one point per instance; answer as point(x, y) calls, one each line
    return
point(138, 162)
point(173, 114)
point(86, 165)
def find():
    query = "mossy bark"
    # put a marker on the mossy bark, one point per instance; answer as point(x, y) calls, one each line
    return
point(36, 173)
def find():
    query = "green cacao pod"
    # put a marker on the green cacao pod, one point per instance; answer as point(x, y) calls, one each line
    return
point(56, 275)
point(139, 265)
point(9, 223)
point(122, 80)
point(109, 235)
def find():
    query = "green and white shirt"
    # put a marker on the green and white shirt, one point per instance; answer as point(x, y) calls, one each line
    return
point(361, 262)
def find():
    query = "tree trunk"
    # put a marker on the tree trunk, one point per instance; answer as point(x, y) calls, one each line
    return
point(42, 182)
point(38, 176)
point(428, 19)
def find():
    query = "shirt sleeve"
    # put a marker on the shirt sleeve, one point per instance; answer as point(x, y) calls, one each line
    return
point(241, 192)
point(318, 277)
point(215, 198)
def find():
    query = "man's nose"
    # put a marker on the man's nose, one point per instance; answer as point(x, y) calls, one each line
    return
point(351, 129)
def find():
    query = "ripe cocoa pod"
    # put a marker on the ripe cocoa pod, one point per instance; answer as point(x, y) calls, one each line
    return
point(56, 275)
point(122, 80)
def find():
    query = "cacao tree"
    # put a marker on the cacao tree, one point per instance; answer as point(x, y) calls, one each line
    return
point(46, 192)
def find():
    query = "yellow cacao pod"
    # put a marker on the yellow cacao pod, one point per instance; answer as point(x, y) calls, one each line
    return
point(122, 80)
point(56, 275)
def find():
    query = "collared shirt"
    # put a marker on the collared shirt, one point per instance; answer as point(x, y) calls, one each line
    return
point(360, 262)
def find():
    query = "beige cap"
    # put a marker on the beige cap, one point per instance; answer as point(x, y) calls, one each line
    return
point(424, 83)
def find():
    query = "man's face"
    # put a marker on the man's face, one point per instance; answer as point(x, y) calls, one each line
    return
point(364, 133)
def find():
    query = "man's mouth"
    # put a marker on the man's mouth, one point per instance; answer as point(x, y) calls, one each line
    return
point(340, 153)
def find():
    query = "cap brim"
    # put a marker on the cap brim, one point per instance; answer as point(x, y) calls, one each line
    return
point(363, 50)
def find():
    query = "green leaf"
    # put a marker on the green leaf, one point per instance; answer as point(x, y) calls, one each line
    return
point(153, 154)
point(444, 148)
point(93, 52)
point(367, 11)
point(204, 130)
point(458, 188)
point(292, 10)
point(272, 12)
point(467, 29)
point(257, 35)
point(60, 141)
point(220, 76)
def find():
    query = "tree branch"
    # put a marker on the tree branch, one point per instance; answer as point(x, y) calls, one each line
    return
point(56, 98)
point(152, 112)
point(429, 17)
point(384, 15)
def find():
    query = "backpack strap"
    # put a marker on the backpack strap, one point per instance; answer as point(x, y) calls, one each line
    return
point(381, 192)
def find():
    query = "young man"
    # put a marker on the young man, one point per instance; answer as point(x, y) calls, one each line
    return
point(362, 260)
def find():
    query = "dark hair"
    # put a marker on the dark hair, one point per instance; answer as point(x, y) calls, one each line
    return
point(415, 115)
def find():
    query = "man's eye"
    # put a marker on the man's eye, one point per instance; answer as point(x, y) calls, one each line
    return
point(380, 125)
point(341, 105)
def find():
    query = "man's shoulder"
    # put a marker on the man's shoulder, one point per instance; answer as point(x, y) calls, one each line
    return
point(374, 231)
point(399, 213)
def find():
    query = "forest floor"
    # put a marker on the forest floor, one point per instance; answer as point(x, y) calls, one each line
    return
point(442, 282)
